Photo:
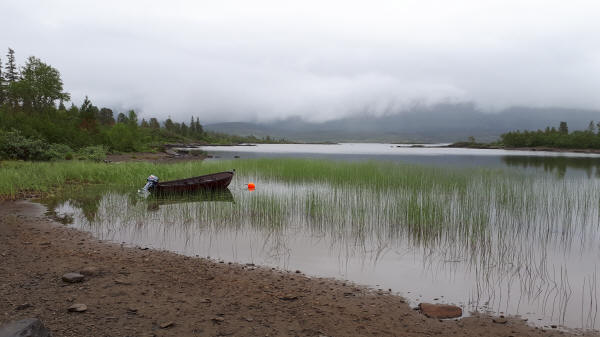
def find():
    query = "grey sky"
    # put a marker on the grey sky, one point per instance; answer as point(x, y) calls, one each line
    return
point(242, 60)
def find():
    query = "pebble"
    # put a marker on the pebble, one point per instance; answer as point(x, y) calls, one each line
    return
point(77, 307)
point(440, 310)
point(166, 324)
point(72, 277)
point(23, 306)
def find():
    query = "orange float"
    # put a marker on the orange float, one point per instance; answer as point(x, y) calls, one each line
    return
point(251, 186)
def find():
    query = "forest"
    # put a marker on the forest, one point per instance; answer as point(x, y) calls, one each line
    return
point(555, 138)
point(36, 123)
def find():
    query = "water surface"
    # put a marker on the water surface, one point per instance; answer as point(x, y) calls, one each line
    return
point(519, 236)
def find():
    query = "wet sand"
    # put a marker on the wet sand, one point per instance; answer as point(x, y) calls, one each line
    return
point(134, 292)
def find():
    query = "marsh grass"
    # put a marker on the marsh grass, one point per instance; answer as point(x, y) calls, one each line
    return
point(16, 177)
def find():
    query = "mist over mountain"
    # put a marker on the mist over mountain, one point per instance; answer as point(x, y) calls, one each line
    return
point(438, 123)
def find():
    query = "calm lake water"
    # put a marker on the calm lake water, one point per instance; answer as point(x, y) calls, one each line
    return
point(520, 237)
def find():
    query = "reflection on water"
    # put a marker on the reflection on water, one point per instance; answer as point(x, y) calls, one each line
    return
point(559, 165)
point(516, 244)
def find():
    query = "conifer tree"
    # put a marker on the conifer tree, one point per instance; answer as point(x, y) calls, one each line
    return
point(12, 75)
point(2, 92)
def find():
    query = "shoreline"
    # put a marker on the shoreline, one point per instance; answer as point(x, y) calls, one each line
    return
point(134, 291)
point(534, 148)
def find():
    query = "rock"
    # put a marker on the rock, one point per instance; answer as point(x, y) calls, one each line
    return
point(90, 271)
point(77, 307)
point(205, 300)
point(166, 324)
point(29, 327)
point(289, 298)
point(72, 277)
point(218, 319)
point(500, 320)
point(23, 306)
point(440, 310)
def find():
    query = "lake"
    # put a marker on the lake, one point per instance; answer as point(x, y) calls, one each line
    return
point(505, 232)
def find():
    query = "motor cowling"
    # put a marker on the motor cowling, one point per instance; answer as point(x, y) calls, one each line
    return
point(151, 182)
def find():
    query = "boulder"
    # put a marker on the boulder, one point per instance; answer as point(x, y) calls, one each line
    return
point(440, 310)
point(29, 327)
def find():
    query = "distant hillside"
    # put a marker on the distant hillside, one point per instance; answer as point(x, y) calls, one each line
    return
point(440, 123)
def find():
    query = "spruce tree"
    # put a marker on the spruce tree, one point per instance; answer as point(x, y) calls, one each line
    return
point(12, 75)
point(2, 93)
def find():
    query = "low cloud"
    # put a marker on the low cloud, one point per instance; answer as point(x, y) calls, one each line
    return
point(264, 60)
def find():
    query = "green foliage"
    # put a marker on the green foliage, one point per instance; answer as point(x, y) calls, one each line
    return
point(94, 153)
point(123, 137)
point(550, 137)
point(59, 152)
point(28, 104)
point(13, 145)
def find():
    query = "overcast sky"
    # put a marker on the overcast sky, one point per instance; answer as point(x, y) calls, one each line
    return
point(246, 60)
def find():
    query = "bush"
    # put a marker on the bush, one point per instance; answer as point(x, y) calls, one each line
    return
point(95, 153)
point(13, 145)
point(58, 152)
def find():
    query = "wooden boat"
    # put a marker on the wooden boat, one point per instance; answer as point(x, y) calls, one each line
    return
point(215, 181)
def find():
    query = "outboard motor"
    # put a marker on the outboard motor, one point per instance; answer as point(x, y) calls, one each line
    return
point(152, 181)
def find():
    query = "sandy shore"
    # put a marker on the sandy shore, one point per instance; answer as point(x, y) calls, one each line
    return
point(133, 292)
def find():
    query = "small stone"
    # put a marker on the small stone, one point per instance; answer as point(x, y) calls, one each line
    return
point(205, 300)
point(554, 326)
point(218, 319)
point(289, 298)
point(440, 310)
point(500, 320)
point(298, 272)
point(77, 307)
point(31, 327)
point(72, 277)
point(166, 324)
point(23, 306)
point(132, 311)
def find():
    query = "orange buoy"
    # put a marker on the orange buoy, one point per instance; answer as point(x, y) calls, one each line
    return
point(251, 186)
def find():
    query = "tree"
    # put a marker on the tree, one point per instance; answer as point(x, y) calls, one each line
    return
point(105, 116)
point(132, 117)
point(144, 124)
point(11, 67)
point(88, 113)
point(1, 84)
point(40, 85)
point(154, 123)
point(121, 118)
point(169, 125)
point(10, 77)
point(563, 128)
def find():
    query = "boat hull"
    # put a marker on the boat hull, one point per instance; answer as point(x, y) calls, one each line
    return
point(215, 181)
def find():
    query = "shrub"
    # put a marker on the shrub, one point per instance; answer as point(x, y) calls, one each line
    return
point(95, 153)
point(13, 145)
point(58, 152)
